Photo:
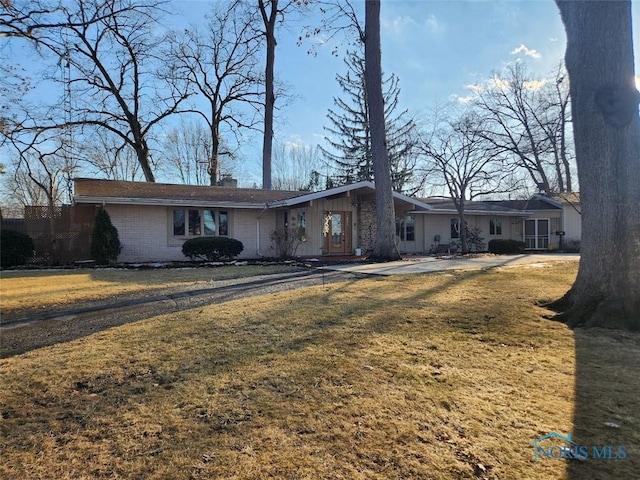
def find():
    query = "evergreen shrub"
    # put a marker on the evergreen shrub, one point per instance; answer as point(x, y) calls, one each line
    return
point(501, 246)
point(212, 248)
point(105, 242)
point(15, 248)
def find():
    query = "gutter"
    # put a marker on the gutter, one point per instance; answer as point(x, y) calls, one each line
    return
point(159, 202)
point(265, 208)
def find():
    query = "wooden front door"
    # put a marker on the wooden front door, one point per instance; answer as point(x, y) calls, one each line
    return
point(338, 239)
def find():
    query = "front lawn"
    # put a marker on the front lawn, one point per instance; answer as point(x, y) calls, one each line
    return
point(443, 376)
point(23, 290)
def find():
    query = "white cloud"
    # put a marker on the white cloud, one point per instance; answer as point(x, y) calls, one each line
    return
point(398, 25)
point(433, 25)
point(402, 24)
point(638, 83)
point(498, 83)
point(294, 141)
point(414, 64)
point(475, 87)
point(529, 52)
point(534, 84)
point(461, 99)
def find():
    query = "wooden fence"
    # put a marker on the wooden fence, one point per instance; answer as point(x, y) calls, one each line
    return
point(61, 235)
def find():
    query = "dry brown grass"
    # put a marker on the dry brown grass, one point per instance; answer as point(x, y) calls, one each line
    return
point(29, 290)
point(390, 378)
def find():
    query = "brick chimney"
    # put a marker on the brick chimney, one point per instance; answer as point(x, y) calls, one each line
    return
point(227, 180)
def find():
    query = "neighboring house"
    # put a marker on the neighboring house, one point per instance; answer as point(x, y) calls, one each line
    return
point(542, 227)
point(571, 216)
point(154, 219)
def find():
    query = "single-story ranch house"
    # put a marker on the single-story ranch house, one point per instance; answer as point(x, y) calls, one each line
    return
point(154, 219)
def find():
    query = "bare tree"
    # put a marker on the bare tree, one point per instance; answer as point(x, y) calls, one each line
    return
point(221, 67)
point(42, 171)
point(187, 153)
point(529, 122)
point(385, 247)
point(106, 156)
point(110, 49)
point(555, 122)
point(468, 165)
point(296, 167)
point(269, 14)
point(606, 124)
point(339, 18)
point(272, 12)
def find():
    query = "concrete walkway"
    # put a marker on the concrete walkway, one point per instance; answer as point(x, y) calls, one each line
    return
point(432, 264)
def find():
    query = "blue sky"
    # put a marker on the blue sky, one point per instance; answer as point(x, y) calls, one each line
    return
point(436, 47)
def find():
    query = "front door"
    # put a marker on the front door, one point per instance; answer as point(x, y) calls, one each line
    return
point(338, 231)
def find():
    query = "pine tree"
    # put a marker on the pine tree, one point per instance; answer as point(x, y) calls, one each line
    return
point(105, 242)
point(349, 142)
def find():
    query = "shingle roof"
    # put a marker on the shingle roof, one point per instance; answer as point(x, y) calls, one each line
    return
point(445, 204)
point(91, 189)
point(534, 203)
point(489, 206)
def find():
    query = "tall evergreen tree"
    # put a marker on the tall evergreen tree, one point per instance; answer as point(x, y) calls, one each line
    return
point(105, 241)
point(349, 142)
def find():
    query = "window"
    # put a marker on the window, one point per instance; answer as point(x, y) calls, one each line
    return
point(194, 222)
point(199, 222)
point(209, 222)
point(455, 228)
point(410, 227)
point(406, 228)
point(223, 221)
point(178, 222)
point(301, 224)
point(495, 226)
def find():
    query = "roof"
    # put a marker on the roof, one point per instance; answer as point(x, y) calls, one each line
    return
point(149, 193)
point(89, 190)
point(536, 202)
point(362, 186)
point(446, 205)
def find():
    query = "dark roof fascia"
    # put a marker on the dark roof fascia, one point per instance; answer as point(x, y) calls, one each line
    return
point(452, 211)
point(364, 185)
point(291, 202)
point(163, 202)
point(548, 200)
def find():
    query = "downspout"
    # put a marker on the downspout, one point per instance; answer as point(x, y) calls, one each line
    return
point(266, 206)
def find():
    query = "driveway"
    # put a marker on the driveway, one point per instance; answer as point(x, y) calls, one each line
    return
point(433, 264)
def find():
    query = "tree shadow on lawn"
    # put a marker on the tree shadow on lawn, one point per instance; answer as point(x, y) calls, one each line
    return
point(607, 405)
point(120, 371)
point(39, 330)
point(208, 353)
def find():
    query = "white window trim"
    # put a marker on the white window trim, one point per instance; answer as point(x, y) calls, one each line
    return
point(201, 210)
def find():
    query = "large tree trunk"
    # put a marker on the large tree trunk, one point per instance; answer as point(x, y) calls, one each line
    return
point(215, 155)
point(599, 59)
point(269, 19)
point(143, 159)
point(385, 247)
